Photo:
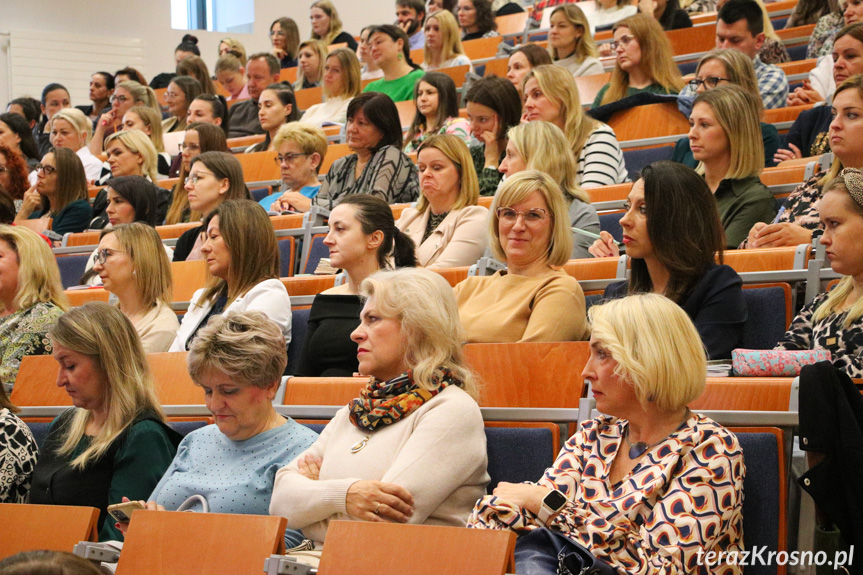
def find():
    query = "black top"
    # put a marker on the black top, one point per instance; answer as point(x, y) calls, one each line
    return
point(345, 38)
point(715, 305)
point(186, 242)
point(809, 132)
point(680, 19)
point(328, 350)
point(474, 35)
point(100, 205)
point(288, 62)
point(162, 80)
point(143, 451)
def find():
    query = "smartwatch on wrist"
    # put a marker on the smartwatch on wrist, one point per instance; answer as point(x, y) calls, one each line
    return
point(551, 504)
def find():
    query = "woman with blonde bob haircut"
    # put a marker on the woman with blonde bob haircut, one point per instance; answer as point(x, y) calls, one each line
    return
point(243, 263)
point(132, 264)
point(447, 225)
point(310, 69)
point(725, 138)
point(32, 301)
point(533, 300)
point(551, 95)
point(149, 121)
point(644, 62)
point(645, 448)
point(114, 442)
point(542, 146)
point(570, 43)
point(422, 395)
point(71, 128)
point(443, 47)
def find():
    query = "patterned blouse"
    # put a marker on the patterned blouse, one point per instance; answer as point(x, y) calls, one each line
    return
point(773, 52)
point(845, 343)
point(18, 454)
point(801, 207)
point(389, 175)
point(821, 40)
point(25, 332)
point(683, 497)
point(455, 126)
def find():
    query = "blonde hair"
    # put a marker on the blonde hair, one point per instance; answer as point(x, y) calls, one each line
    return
point(102, 332)
point(137, 142)
point(310, 139)
point(450, 38)
point(424, 305)
point(557, 84)
point(38, 274)
point(335, 23)
point(228, 62)
point(153, 121)
point(321, 49)
point(144, 95)
point(236, 49)
point(152, 269)
point(738, 113)
point(515, 190)
point(351, 74)
point(76, 118)
point(543, 147)
point(585, 47)
point(246, 346)
point(738, 67)
point(458, 153)
point(837, 296)
point(837, 166)
point(668, 368)
point(657, 61)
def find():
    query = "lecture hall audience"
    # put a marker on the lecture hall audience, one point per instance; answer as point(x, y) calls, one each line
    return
point(410, 15)
point(310, 69)
point(370, 70)
point(277, 106)
point(443, 47)
point(542, 146)
point(130, 153)
point(147, 120)
point(362, 239)
point(114, 442)
point(532, 300)
point(447, 226)
point(327, 26)
point(570, 43)
point(262, 69)
point(672, 232)
point(32, 298)
point(642, 385)
point(60, 194)
point(231, 74)
point(101, 90)
point(127, 95)
point(71, 129)
point(476, 20)
point(341, 83)
point(390, 51)
point(180, 93)
point(198, 139)
point(522, 60)
point(300, 150)
point(380, 456)
point(208, 109)
point(195, 67)
point(55, 97)
point(436, 102)
point(285, 38)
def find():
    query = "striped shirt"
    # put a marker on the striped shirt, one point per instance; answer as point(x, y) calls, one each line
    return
point(600, 162)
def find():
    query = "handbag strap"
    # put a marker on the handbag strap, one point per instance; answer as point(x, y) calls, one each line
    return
point(188, 503)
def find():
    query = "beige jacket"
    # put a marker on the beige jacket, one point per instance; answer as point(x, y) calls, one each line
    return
point(459, 240)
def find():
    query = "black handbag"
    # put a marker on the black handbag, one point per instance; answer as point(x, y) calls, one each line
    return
point(546, 552)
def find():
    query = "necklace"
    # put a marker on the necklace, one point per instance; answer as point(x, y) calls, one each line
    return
point(639, 448)
point(358, 446)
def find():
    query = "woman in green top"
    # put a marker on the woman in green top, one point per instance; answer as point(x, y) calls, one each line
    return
point(724, 136)
point(644, 62)
point(390, 51)
point(114, 442)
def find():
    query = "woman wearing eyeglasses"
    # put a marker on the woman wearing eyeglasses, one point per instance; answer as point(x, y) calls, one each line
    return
point(724, 68)
point(127, 95)
point(132, 265)
point(31, 297)
point(301, 149)
point(644, 62)
point(531, 300)
point(213, 178)
point(285, 37)
point(198, 139)
point(60, 192)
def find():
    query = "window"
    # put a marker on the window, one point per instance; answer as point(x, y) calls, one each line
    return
point(235, 16)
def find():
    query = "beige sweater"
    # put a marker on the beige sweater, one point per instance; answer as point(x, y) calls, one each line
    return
point(459, 240)
point(158, 328)
point(504, 308)
point(437, 453)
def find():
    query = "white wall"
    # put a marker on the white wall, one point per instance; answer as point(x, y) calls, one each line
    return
point(150, 20)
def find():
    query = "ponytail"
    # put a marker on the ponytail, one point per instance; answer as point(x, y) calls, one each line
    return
point(404, 250)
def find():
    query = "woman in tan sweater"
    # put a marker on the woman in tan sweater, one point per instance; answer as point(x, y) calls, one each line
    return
point(531, 300)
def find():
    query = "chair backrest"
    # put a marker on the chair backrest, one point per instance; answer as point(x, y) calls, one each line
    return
point(287, 221)
point(592, 268)
point(288, 75)
point(786, 114)
point(299, 329)
point(650, 121)
point(589, 86)
point(457, 73)
point(610, 222)
point(498, 67)
point(51, 527)
point(36, 383)
point(636, 160)
point(316, 251)
point(158, 543)
point(453, 275)
point(765, 497)
point(184, 428)
point(511, 23)
point(692, 40)
point(188, 277)
point(768, 310)
point(308, 97)
point(745, 394)
point(368, 549)
point(287, 255)
point(259, 166)
point(529, 374)
point(79, 297)
point(612, 193)
point(482, 47)
point(71, 269)
point(407, 112)
point(174, 231)
point(259, 194)
point(174, 385)
point(334, 152)
point(786, 174)
point(83, 239)
point(245, 141)
point(766, 259)
point(308, 285)
point(323, 390)
point(517, 453)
